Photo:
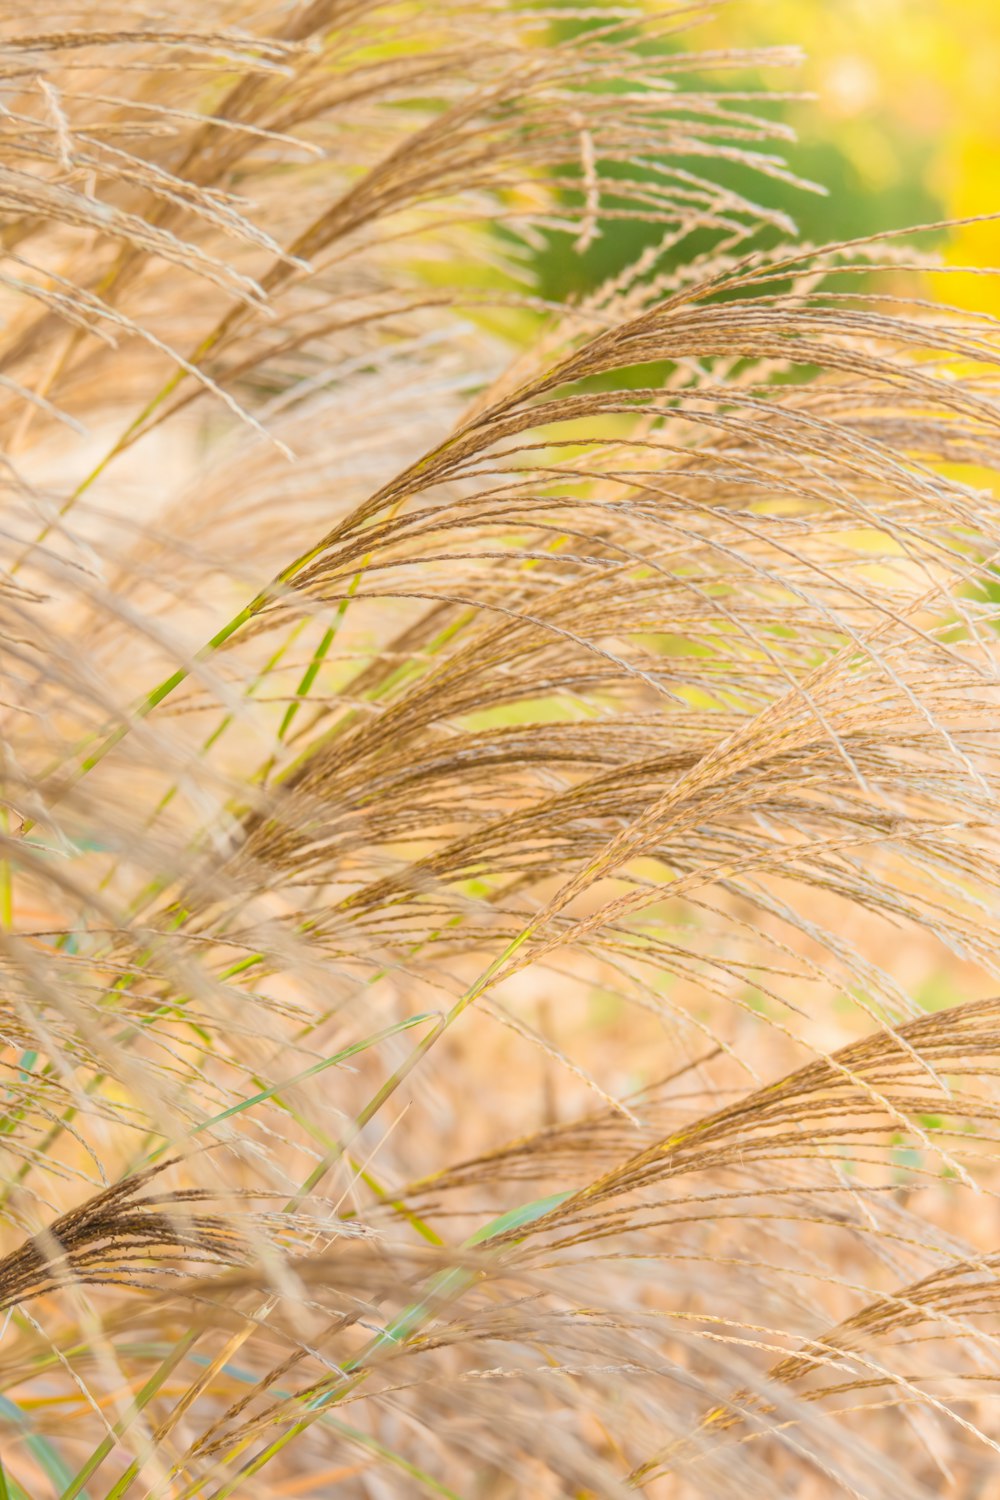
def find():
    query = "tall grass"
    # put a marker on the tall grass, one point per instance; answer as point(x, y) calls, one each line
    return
point(476, 773)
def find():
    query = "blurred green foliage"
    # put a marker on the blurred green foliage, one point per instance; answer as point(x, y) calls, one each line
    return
point(902, 128)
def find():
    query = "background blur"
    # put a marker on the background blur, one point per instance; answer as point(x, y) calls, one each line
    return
point(902, 129)
point(906, 122)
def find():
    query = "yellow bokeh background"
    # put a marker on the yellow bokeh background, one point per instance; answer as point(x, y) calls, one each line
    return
point(899, 85)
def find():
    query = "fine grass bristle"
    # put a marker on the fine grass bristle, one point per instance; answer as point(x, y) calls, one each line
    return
point(483, 778)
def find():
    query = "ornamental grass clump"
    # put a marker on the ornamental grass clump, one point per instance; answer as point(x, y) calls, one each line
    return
point(481, 774)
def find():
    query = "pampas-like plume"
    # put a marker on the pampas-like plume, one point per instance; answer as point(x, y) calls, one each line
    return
point(394, 662)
